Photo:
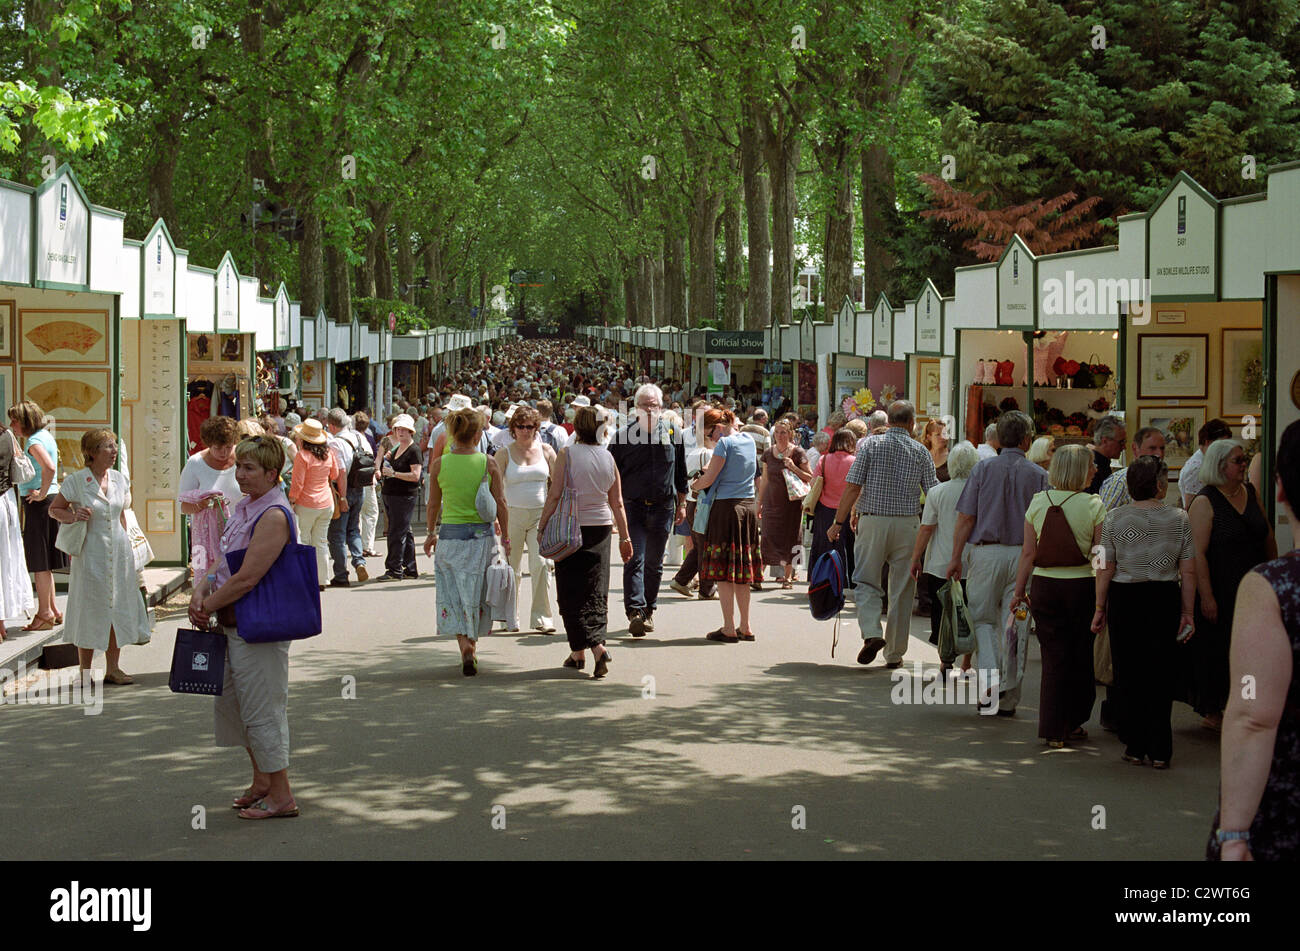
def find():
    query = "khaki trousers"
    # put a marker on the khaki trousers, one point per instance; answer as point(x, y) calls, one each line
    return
point(885, 540)
point(990, 584)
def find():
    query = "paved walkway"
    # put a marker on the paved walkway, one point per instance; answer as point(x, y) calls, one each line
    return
point(736, 743)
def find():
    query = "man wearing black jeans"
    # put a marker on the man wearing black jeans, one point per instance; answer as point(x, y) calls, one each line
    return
point(345, 531)
point(651, 460)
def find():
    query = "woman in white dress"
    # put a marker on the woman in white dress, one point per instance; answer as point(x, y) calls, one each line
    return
point(105, 609)
point(16, 599)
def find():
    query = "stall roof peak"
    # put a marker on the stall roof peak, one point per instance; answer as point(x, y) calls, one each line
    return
point(1177, 180)
point(1016, 241)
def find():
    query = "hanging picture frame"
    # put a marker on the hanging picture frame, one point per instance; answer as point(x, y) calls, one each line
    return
point(1180, 424)
point(1172, 366)
point(7, 308)
point(1242, 358)
point(927, 396)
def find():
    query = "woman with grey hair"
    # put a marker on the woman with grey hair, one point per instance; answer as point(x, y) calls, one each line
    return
point(1232, 535)
point(934, 540)
point(1061, 530)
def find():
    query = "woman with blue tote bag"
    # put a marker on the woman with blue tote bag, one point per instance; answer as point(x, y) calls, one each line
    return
point(253, 708)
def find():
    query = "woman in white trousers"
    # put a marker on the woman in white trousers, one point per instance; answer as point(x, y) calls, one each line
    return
point(528, 465)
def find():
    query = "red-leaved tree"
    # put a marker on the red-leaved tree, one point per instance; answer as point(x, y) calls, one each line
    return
point(1047, 225)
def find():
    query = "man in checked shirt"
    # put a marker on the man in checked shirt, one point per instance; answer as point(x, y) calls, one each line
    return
point(885, 482)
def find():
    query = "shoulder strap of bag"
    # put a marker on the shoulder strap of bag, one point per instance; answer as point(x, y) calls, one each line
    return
point(293, 523)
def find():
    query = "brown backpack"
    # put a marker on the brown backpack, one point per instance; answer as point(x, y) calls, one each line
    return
point(1057, 546)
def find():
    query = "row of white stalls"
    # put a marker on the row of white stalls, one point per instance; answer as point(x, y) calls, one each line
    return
point(1193, 315)
point(104, 331)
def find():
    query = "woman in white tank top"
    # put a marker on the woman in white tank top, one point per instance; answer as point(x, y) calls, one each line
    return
point(527, 477)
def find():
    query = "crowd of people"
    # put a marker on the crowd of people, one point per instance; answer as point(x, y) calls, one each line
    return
point(547, 445)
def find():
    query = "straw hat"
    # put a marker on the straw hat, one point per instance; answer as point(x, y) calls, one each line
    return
point(459, 402)
point(311, 431)
point(580, 401)
point(403, 421)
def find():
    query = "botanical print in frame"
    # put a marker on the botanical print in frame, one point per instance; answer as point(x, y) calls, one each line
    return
point(63, 336)
point(1172, 366)
point(6, 392)
point(6, 329)
point(928, 394)
point(1243, 372)
point(1180, 424)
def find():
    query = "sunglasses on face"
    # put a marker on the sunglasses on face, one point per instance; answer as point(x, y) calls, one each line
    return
point(525, 427)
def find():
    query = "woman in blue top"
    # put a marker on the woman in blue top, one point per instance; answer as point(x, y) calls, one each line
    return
point(39, 530)
point(731, 555)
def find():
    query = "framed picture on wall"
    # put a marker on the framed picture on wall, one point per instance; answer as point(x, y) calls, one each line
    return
point(6, 392)
point(6, 329)
point(927, 394)
point(76, 396)
point(1172, 366)
point(232, 348)
point(63, 336)
point(1243, 372)
point(1180, 424)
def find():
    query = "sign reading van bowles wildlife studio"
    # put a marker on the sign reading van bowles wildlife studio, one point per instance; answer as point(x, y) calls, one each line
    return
point(62, 233)
point(929, 321)
point(1017, 287)
point(882, 329)
point(1182, 242)
point(733, 343)
point(158, 271)
point(227, 295)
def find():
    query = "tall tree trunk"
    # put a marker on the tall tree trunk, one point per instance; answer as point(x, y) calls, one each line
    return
point(733, 305)
point(629, 298)
point(675, 281)
point(783, 160)
point(311, 265)
point(838, 248)
point(758, 202)
point(162, 175)
point(338, 285)
point(405, 260)
point(645, 290)
point(704, 271)
point(877, 219)
point(367, 278)
point(660, 290)
point(437, 291)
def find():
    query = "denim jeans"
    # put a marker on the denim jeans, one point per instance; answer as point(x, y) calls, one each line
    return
point(345, 536)
point(649, 525)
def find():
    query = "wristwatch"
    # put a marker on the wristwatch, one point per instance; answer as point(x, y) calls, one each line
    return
point(1226, 835)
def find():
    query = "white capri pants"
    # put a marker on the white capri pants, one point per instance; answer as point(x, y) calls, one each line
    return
point(253, 709)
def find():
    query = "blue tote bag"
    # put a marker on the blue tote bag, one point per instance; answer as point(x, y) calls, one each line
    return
point(285, 604)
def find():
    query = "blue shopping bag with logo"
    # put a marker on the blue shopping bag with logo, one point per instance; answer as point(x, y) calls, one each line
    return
point(198, 662)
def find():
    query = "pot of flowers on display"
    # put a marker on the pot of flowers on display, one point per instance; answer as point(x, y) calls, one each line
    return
point(1056, 422)
point(1098, 408)
point(1099, 372)
point(1008, 404)
point(1065, 371)
point(1076, 424)
point(1040, 416)
point(859, 404)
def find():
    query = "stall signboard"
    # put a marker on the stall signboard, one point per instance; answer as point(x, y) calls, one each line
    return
point(62, 233)
point(227, 295)
point(850, 376)
point(1183, 243)
point(882, 329)
point(929, 321)
point(733, 343)
point(158, 273)
point(807, 338)
point(846, 326)
point(159, 437)
point(322, 334)
point(282, 318)
point(1017, 288)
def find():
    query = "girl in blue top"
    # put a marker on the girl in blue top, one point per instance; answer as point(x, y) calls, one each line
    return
point(731, 555)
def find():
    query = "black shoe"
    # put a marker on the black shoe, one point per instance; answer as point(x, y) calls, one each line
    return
point(340, 583)
point(410, 574)
point(756, 587)
point(648, 622)
point(392, 576)
point(1006, 713)
point(870, 648)
point(602, 666)
point(575, 664)
point(636, 624)
point(894, 665)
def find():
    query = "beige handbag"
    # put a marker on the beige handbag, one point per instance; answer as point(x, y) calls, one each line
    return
point(814, 491)
point(72, 536)
point(1102, 669)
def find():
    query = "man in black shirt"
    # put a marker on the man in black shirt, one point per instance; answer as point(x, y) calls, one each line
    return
point(651, 460)
point(1108, 437)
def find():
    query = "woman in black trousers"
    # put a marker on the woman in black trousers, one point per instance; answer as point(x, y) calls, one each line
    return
point(1138, 594)
point(587, 472)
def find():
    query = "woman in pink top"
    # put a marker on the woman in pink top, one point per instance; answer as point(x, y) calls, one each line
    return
point(314, 468)
point(582, 579)
point(833, 467)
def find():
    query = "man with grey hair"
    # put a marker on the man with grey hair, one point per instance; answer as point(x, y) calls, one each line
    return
point(878, 421)
point(345, 531)
point(1108, 435)
point(988, 449)
point(651, 460)
point(991, 516)
point(889, 474)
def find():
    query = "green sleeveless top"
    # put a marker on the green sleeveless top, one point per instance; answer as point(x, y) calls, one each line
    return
point(459, 477)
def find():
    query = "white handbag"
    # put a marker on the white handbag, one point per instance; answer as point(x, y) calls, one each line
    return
point(72, 536)
point(20, 467)
point(141, 550)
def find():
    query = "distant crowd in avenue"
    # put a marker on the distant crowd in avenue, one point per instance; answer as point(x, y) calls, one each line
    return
point(548, 448)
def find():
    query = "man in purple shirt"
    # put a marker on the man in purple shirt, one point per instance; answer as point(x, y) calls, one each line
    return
point(991, 516)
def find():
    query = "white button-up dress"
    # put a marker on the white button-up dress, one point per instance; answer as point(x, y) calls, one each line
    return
point(103, 589)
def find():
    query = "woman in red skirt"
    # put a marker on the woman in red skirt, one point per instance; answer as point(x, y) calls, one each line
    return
point(731, 556)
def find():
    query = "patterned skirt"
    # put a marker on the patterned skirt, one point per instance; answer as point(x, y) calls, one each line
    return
point(731, 552)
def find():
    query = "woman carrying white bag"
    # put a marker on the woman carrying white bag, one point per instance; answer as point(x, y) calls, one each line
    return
point(16, 597)
point(105, 609)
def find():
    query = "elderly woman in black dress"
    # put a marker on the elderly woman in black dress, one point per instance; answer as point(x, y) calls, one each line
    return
point(1232, 536)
